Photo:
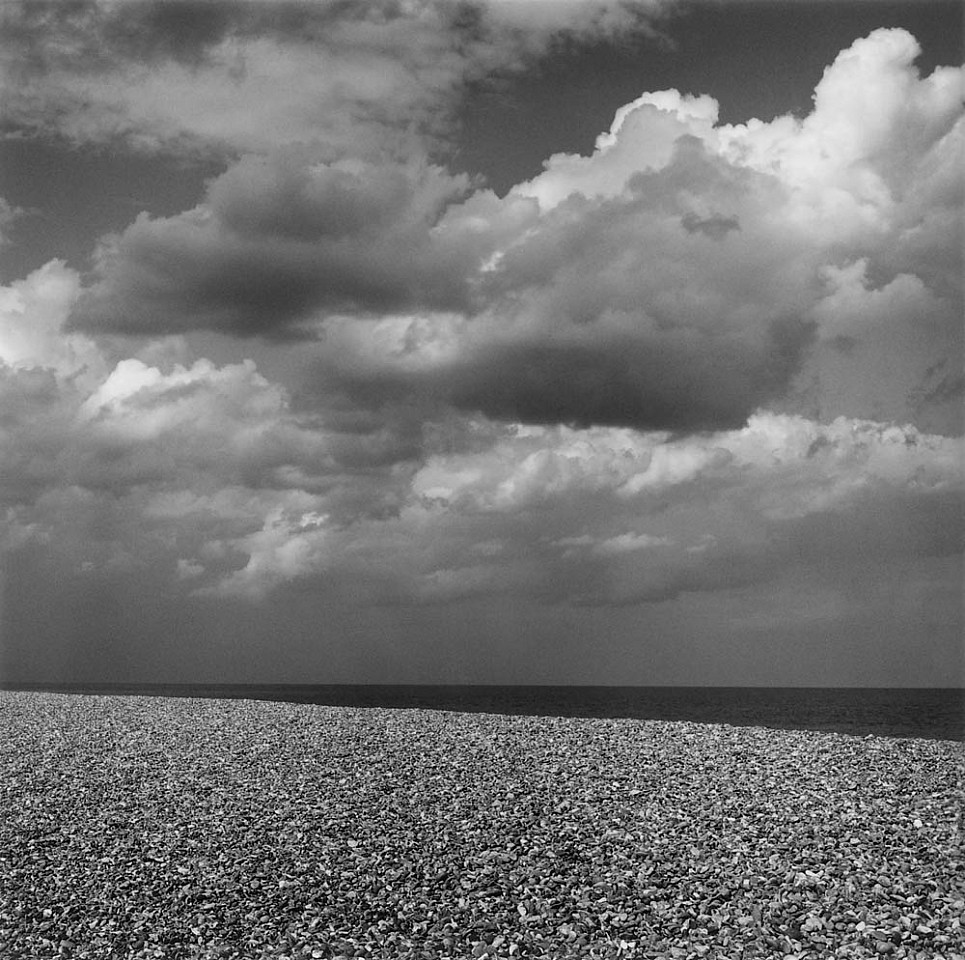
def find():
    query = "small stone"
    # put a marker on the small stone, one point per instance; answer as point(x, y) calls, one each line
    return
point(436, 799)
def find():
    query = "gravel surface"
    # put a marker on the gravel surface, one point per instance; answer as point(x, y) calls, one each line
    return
point(153, 827)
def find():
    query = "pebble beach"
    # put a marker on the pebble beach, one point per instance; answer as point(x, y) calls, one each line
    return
point(137, 827)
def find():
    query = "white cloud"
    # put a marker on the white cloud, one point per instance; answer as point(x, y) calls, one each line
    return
point(190, 468)
point(285, 548)
point(642, 137)
point(32, 312)
point(780, 493)
point(875, 127)
point(628, 543)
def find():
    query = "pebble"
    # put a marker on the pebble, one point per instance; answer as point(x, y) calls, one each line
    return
point(134, 827)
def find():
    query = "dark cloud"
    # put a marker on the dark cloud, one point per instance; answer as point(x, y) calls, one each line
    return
point(607, 311)
point(617, 380)
point(677, 278)
point(599, 311)
point(360, 75)
point(611, 289)
point(181, 30)
point(278, 241)
point(716, 226)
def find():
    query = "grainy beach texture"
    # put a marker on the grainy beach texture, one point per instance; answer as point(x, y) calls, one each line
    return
point(185, 828)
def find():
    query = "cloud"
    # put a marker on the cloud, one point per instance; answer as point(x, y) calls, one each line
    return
point(9, 214)
point(708, 369)
point(884, 351)
point(32, 312)
point(591, 391)
point(610, 311)
point(226, 76)
point(210, 480)
point(680, 277)
point(628, 543)
point(642, 138)
point(592, 309)
point(190, 75)
point(613, 517)
point(282, 550)
point(163, 460)
point(715, 226)
point(278, 240)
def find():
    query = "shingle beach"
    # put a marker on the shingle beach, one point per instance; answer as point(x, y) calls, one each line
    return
point(187, 828)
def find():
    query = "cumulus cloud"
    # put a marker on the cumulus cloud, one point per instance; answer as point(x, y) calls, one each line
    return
point(641, 138)
point(680, 277)
point(605, 294)
point(612, 312)
point(283, 549)
point(212, 480)
point(613, 517)
point(610, 516)
point(32, 312)
point(163, 460)
point(888, 351)
point(278, 240)
point(661, 369)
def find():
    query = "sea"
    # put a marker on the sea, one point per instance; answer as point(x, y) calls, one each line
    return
point(934, 714)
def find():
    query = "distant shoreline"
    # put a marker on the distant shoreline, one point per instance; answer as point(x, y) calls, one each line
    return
point(920, 712)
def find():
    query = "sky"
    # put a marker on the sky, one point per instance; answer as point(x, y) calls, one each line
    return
point(501, 341)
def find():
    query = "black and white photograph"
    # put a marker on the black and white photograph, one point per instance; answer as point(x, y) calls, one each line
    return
point(482, 479)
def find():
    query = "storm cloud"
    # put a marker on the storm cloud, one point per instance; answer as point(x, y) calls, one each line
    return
point(676, 278)
point(700, 377)
point(280, 240)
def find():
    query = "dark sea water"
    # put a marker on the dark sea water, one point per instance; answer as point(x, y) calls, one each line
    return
point(929, 714)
